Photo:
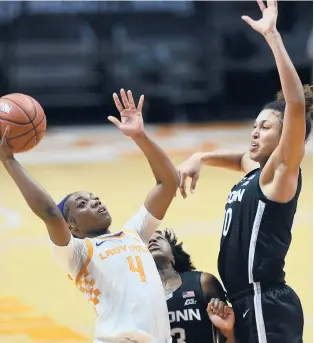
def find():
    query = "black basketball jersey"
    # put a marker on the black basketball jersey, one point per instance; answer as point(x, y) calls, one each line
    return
point(256, 236)
point(187, 312)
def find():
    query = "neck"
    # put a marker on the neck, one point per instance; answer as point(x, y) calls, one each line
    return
point(98, 233)
point(262, 163)
point(166, 272)
point(171, 280)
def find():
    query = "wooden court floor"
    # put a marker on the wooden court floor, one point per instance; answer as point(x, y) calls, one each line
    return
point(39, 304)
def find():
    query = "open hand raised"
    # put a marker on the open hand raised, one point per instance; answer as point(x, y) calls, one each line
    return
point(131, 122)
point(269, 20)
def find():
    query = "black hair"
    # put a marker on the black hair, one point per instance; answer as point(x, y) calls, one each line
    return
point(183, 262)
point(279, 106)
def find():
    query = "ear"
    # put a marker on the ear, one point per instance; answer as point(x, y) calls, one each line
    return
point(72, 228)
point(72, 225)
point(75, 232)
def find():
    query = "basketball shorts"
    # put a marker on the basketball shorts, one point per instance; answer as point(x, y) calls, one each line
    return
point(272, 315)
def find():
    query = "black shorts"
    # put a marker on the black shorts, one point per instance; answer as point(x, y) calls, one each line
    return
point(273, 315)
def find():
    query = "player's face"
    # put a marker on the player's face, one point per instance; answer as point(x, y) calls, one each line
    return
point(265, 136)
point(87, 214)
point(160, 248)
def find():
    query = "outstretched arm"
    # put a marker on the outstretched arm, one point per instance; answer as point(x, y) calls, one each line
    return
point(161, 196)
point(36, 197)
point(283, 165)
point(222, 158)
point(167, 179)
point(228, 159)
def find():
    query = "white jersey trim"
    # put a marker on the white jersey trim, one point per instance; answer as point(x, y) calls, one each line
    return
point(260, 324)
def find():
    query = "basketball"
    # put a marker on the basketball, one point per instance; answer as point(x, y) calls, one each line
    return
point(26, 118)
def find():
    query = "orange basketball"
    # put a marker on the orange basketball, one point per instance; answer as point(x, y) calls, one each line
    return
point(26, 118)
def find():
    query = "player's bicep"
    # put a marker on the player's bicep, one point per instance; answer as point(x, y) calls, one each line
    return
point(291, 146)
point(144, 223)
point(72, 256)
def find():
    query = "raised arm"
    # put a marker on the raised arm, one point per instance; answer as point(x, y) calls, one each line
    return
point(223, 158)
point(167, 179)
point(36, 197)
point(161, 196)
point(283, 165)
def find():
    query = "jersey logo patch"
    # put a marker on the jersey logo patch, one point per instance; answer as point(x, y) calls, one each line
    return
point(245, 313)
point(188, 294)
point(190, 302)
point(98, 244)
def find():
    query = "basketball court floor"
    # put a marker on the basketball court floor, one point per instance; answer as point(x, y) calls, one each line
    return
point(39, 304)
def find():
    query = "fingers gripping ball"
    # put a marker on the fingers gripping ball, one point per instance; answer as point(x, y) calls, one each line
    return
point(26, 119)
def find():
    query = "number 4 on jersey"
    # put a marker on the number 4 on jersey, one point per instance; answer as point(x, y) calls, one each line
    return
point(138, 268)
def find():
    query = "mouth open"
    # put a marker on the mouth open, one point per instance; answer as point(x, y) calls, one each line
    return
point(102, 210)
point(153, 247)
point(253, 147)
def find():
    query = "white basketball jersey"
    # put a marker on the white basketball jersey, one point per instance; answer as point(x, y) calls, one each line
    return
point(121, 280)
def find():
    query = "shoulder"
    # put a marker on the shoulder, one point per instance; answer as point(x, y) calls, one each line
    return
point(132, 234)
point(139, 218)
point(211, 287)
point(144, 223)
point(75, 256)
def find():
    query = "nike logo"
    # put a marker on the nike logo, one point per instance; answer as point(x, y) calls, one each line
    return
point(245, 313)
point(98, 244)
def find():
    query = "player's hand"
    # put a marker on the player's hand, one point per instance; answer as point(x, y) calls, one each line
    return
point(5, 149)
point(222, 316)
point(131, 122)
point(269, 20)
point(189, 169)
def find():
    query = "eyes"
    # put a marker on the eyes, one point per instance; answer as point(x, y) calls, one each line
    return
point(264, 127)
point(83, 203)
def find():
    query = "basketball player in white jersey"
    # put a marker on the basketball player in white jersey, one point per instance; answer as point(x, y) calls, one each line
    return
point(115, 271)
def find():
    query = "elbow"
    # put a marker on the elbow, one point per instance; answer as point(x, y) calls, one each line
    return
point(298, 105)
point(171, 179)
point(172, 182)
point(297, 102)
point(175, 179)
point(291, 159)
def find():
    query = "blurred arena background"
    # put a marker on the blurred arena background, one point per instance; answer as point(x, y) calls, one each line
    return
point(205, 75)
